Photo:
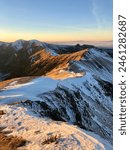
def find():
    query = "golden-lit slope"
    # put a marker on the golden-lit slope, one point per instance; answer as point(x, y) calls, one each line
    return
point(44, 63)
point(13, 81)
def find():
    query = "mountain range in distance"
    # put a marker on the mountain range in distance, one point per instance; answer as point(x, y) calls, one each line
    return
point(100, 44)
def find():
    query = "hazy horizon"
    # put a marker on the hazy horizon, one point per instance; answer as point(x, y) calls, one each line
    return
point(107, 44)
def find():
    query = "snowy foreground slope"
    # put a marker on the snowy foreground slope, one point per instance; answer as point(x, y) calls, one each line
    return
point(80, 101)
point(82, 98)
point(35, 129)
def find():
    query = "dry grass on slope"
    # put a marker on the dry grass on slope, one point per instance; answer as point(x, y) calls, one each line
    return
point(21, 80)
point(5, 83)
point(9, 142)
point(46, 64)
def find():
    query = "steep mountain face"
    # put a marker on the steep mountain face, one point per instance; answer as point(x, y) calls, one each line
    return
point(77, 87)
point(43, 63)
point(81, 101)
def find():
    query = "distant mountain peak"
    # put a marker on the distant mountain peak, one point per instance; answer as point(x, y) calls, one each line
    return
point(18, 44)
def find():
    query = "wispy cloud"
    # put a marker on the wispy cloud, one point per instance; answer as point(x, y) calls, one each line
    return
point(99, 12)
point(95, 12)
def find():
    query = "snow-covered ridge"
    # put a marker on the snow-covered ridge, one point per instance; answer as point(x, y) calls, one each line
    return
point(15, 92)
point(24, 44)
point(81, 101)
point(34, 129)
point(20, 44)
point(97, 62)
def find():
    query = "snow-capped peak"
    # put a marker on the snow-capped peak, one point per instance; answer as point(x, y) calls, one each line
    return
point(18, 44)
point(36, 42)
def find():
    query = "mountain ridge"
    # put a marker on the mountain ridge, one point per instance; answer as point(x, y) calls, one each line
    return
point(70, 84)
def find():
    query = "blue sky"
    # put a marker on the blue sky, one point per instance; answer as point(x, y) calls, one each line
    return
point(56, 20)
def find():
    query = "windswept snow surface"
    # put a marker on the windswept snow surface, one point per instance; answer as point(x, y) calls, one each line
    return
point(41, 85)
point(35, 130)
point(17, 92)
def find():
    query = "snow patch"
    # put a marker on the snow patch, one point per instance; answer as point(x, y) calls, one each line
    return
point(30, 90)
